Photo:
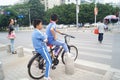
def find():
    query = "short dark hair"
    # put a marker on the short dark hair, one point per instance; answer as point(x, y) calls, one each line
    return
point(54, 17)
point(36, 22)
point(101, 21)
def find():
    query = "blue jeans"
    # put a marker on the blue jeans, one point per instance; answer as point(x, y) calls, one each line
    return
point(12, 45)
point(45, 54)
point(60, 43)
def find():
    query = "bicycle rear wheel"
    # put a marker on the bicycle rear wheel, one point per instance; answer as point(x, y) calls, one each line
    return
point(36, 67)
point(73, 51)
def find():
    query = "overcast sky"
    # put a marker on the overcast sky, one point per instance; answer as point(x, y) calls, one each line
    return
point(114, 1)
point(8, 2)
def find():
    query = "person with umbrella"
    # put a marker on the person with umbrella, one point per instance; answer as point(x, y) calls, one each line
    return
point(111, 18)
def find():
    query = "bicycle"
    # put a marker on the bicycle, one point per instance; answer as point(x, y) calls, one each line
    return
point(37, 62)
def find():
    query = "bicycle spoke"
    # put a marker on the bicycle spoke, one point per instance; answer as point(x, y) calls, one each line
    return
point(36, 68)
point(35, 71)
point(73, 52)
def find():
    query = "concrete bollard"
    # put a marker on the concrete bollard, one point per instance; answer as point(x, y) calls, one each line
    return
point(8, 47)
point(2, 48)
point(69, 64)
point(1, 72)
point(108, 75)
point(20, 51)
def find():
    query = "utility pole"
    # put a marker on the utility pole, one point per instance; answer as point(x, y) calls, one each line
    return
point(119, 16)
point(95, 10)
point(29, 19)
point(77, 11)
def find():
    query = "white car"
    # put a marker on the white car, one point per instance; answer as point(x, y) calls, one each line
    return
point(87, 25)
point(60, 26)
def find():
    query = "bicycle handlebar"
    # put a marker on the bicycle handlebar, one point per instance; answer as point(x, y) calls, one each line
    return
point(66, 35)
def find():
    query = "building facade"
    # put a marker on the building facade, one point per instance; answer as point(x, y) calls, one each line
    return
point(50, 3)
point(71, 1)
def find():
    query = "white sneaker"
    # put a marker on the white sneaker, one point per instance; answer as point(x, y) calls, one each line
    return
point(45, 78)
point(69, 54)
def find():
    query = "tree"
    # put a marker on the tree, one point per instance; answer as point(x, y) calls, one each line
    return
point(4, 18)
point(22, 13)
point(86, 13)
point(36, 9)
point(65, 12)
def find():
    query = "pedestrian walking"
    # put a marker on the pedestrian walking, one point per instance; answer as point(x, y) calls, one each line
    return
point(101, 28)
point(39, 43)
point(11, 35)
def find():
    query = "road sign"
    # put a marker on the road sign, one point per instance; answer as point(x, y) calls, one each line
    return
point(95, 11)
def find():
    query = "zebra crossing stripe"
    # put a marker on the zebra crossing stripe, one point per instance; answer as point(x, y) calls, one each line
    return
point(96, 55)
point(94, 49)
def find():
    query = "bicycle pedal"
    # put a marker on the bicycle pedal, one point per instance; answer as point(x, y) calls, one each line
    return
point(53, 67)
point(43, 70)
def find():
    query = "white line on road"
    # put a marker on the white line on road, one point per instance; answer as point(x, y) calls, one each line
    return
point(94, 49)
point(96, 55)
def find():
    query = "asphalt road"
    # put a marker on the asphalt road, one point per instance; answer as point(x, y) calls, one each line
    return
point(86, 42)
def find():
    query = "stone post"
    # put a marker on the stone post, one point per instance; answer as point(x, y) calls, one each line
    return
point(2, 48)
point(69, 64)
point(1, 72)
point(20, 51)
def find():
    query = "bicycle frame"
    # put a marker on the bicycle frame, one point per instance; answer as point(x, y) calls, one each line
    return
point(65, 38)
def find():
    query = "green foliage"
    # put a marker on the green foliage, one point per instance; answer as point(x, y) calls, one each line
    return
point(86, 13)
point(67, 13)
point(36, 9)
point(22, 9)
point(4, 18)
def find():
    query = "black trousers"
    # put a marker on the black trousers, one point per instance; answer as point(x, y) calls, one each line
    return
point(100, 37)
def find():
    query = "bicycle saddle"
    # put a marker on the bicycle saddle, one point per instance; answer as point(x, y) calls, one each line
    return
point(49, 45)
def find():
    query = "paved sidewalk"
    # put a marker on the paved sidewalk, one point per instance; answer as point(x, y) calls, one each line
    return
point(15, 68)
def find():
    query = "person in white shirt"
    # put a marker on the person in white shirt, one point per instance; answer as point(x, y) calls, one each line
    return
point(101, 28)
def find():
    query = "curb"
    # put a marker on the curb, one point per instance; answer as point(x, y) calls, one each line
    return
point(92, 66)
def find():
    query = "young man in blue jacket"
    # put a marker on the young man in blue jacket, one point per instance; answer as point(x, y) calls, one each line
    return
point(39, 43)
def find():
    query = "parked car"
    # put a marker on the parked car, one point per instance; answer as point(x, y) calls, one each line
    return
point(87, 25)
point(72, 25)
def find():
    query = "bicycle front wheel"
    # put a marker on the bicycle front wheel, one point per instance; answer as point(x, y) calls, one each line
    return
point(35, 67)
point(73, 51)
